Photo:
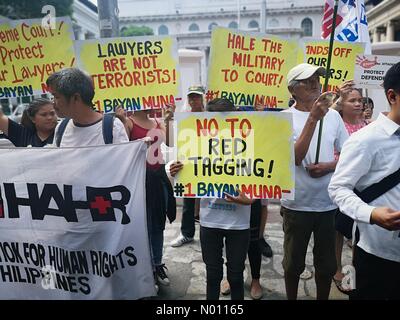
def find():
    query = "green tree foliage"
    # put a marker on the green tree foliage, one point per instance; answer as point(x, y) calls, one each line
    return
point(30, 9)
point(136, 31)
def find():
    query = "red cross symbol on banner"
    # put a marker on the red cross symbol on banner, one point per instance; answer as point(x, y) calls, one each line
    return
point(100, 204)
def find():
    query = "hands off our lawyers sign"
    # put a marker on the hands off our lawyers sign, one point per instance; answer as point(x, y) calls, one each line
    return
point(223, 152)
point(30, 53)
point(344, 55)
point(136, 73)
point(80, 234)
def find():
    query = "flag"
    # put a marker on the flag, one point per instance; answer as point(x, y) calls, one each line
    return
point(351, 22)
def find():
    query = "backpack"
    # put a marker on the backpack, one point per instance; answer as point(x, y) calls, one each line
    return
point(108, 125)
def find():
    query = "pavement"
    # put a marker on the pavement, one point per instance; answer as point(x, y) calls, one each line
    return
point(187, 273)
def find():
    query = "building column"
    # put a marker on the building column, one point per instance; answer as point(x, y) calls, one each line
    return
point(203, 65)
point(376, 37)
point(390, 31)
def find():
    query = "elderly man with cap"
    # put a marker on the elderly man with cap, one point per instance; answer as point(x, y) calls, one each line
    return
point(312, 211)
point(195, 99)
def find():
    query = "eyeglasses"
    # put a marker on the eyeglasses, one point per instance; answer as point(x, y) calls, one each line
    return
point(310, 81)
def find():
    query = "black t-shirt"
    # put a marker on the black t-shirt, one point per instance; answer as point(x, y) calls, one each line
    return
point(24, 137)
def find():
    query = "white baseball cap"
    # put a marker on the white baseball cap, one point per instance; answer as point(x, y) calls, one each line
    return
point(304, 71)
point(196, 89)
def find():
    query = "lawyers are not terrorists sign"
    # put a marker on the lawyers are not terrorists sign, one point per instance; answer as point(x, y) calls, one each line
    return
point(74, 230)
point(136, 73)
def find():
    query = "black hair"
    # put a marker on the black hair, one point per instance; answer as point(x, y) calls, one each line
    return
point(368, 101)
point(392, 78)
point(220, 105)
point(30, 112)
point(70, 81)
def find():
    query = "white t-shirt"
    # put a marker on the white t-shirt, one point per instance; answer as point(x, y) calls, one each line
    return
point(92, 135)
point(311, 194)
point(218, 213)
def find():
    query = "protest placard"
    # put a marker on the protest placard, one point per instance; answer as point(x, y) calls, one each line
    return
point(250, 68)
point(223, 152)
point(344, 54)
point(29, 53)
point(137, 73)
point(371, 69)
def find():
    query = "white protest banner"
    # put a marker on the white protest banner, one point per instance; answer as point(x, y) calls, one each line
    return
point(371, 69)
point(73, 223)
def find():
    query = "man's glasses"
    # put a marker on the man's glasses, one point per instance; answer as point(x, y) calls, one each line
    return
point(310, 81)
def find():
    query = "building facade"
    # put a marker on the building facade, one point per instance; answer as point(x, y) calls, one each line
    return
point(384, 26)
point(85, 20)
point(285, 17)
point(192, 21)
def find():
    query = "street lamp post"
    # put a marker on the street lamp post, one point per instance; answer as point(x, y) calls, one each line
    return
point(108, 18)
point(263, 15)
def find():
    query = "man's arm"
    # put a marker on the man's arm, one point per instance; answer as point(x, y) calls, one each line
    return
point(168, 117)
point(354, 162)
point(318, 111)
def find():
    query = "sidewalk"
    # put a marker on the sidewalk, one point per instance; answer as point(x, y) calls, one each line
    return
point(186, 269)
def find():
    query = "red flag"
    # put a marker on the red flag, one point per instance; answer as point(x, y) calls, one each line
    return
point(328, 18)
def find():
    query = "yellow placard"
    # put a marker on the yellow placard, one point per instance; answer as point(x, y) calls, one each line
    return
point(136, 73)
point(344, 55)
point(30, 52)
point(250, 68)
point(251, 151)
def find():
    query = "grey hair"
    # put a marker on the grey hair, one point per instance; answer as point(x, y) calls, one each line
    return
point(292, 84)
point(70, 81)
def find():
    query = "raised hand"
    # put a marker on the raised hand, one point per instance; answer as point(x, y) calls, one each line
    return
point(169, 111)
point(321, 105)
point(120, 114)
point(175, 168)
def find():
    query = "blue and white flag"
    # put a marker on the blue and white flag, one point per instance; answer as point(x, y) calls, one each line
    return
point(351, 22)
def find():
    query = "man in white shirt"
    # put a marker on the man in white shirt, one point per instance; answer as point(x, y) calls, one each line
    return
point(370, 155)
point(73, 92)
point(311, 211)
